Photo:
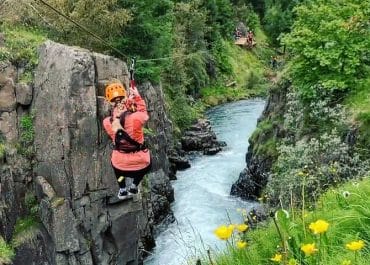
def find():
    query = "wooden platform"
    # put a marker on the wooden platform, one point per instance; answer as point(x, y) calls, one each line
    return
point(243, 42)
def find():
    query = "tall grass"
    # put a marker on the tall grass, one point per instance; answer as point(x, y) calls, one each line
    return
point(346, 210)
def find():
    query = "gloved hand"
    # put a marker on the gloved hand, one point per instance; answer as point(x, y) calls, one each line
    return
point(134, 91)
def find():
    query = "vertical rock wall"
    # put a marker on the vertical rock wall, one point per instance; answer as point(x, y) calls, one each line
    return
point(81, 220)
point(253, 179)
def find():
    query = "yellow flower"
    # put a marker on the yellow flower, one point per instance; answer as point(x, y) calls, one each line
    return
point(223, 232)
point(318, 227)
point(231, 227)
point(355, 245)
point(242, 227)
point(241, 244)
point(277, 258)
point(292, 262)
point(346, 262)
point(309, 249)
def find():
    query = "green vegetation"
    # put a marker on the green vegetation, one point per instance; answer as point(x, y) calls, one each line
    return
point(2, 150)
point(6, 252)
point(344, 215)
point(248, 73)
point(329, 67)
point(278, 18)
point(191, 39)
point(330, 59)
point(27, 136)
point(26, 230)
point(21, 48)
point(359, 104)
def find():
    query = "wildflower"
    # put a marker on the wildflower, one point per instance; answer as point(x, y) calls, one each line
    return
point(346, 262)
point(224, 232)
point(242, 227)
point(241, 244)
point(355, 245)
point(319, 227)
point(277, 258)
point(309, 249)
point(292, 262)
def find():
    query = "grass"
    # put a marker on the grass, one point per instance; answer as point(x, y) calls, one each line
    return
point(21, 48)
point(249, 69)
point(2, 150)
point(358, 103)
point(6, 252)
point(345, 208)
point(26, 230)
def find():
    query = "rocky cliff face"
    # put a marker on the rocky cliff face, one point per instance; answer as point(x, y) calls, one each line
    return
point(80, 220)
point(262, 146)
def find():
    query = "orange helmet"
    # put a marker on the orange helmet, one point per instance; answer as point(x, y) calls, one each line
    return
point(114, 90)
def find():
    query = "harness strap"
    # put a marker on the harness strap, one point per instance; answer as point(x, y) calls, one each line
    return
point(123, 135)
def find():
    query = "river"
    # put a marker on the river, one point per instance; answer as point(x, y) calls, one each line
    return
point(202, 200)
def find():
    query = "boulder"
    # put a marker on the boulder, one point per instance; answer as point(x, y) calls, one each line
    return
point(24, 94)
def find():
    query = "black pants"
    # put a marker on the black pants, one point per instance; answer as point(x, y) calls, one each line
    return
point(137, 175)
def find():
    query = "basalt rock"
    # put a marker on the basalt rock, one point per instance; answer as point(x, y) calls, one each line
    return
point(254, 176)
point(200, 137)
point(70, 176)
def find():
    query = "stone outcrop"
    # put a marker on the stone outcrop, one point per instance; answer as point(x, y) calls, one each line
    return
point(254, 176)
point(81, 222)
point(200, 137)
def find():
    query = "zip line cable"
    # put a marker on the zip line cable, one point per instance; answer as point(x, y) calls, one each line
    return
point(82, 27)
point(107, 43)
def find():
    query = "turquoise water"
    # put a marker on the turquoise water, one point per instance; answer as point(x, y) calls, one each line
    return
point(202, 200)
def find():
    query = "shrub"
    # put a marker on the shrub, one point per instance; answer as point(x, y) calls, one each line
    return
point(6, 252)
point(26, 147)
point(308, 167)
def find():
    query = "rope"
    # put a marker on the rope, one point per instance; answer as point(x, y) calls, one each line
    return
point(83, 28)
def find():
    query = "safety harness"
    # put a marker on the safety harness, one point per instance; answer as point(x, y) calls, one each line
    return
point(123, 142)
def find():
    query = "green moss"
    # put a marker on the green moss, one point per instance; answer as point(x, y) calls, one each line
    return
point(57, 201)
point(25, 146)
point(262, 132)
point(6, 252)
point(26, 229)
point(2, 150)
point(267, 148)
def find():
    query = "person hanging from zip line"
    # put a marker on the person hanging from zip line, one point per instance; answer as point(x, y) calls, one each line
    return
point(130, 157)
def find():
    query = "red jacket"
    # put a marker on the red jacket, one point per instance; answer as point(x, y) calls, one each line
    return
point(134, 124)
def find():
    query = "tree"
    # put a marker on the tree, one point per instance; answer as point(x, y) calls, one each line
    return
point(330, 41)
point(105, 18)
